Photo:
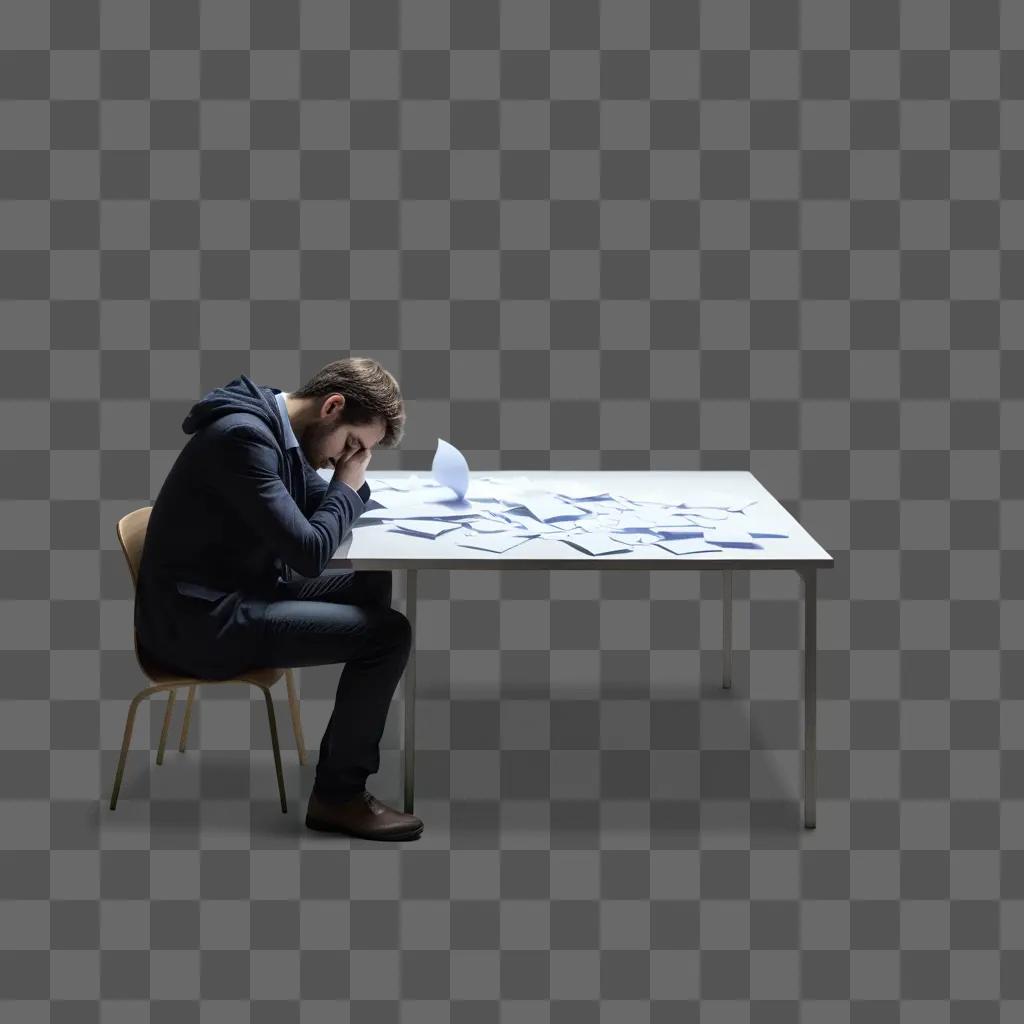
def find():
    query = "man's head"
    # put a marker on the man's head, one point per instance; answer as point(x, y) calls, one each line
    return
point(350, 403)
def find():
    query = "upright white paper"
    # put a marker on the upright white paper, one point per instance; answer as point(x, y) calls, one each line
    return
point(450, 468)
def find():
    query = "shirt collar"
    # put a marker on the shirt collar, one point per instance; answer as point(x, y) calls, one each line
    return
point(290, 440)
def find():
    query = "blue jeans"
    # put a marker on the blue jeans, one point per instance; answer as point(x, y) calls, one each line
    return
point(343, 615)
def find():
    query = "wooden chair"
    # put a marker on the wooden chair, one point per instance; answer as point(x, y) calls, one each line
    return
point(131, 532)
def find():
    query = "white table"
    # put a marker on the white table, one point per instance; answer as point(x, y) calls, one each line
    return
point(376, 546)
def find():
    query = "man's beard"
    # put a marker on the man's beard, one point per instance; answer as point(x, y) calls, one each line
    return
point(314, 450)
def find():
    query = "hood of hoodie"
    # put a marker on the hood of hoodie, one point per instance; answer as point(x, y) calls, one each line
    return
point(238, 395)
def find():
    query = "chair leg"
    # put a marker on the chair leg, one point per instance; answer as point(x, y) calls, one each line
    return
point(293, 704)
point(277, 748)
point(188, 717)
point(167, 721)
point(126, 742)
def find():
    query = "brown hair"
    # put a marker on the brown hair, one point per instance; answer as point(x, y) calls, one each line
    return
point(370, 393)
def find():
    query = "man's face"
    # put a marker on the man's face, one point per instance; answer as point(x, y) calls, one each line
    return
point(328, 440)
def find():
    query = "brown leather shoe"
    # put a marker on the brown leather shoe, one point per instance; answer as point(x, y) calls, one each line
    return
point(363, 816)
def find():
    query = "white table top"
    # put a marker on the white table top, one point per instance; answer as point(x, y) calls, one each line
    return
point(373, 544)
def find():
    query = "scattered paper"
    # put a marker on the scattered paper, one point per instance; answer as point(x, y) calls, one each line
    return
point(504, 513)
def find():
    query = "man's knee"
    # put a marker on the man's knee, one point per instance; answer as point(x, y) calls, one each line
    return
point(401, 625)
point(391, 626)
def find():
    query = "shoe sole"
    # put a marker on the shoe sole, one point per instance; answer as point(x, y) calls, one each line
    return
point(322, 826)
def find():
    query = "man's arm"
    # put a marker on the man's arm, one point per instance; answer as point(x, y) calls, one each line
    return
point(316, 488)
point(245, 475)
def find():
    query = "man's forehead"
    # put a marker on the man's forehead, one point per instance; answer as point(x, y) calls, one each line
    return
point(371, 434)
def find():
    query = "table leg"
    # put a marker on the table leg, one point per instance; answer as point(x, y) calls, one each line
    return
point(409, 696)
point(727, 629)
point(810, 578)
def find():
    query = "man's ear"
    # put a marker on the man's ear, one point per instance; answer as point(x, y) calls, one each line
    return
point(335, 410)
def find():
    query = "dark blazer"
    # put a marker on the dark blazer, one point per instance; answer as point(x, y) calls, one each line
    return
point(238, 512)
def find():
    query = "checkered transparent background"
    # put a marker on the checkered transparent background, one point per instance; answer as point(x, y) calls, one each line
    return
point(634, 234)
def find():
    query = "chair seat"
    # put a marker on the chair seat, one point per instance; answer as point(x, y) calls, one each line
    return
point(260, 676)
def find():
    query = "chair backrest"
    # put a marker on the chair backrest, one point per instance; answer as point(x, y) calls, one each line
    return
point(131, 532)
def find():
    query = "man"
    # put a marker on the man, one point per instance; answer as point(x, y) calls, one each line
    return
point(242, 511)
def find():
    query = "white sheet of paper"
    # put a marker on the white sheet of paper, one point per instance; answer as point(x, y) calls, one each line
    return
point(664, 522)
point(685, 547)
point(717, 499)
point(482, 490)
point(512, 481)
point(489, 526)
point(633, 539)
point(729, 537)
point(652, 513)
point(731, 534)
point(497, 543)
point(424, 527)
point(524, 524)
point(423, 510)
point(632, 519)
point(573, 488)
point(596, 524)
point(413, 482)
point(544, 507)
point(708, 514)
point(450, 468)
point(682, 533)
point(595, 543)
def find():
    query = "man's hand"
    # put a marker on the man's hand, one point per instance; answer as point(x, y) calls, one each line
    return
point(351, 465)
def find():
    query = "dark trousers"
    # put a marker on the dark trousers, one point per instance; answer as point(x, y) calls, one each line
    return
point(343, 615)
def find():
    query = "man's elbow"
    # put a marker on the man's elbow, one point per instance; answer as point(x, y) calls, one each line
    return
point(317, 563)
point(306, 564)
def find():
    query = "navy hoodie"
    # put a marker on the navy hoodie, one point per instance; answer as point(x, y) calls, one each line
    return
point(237, 512)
